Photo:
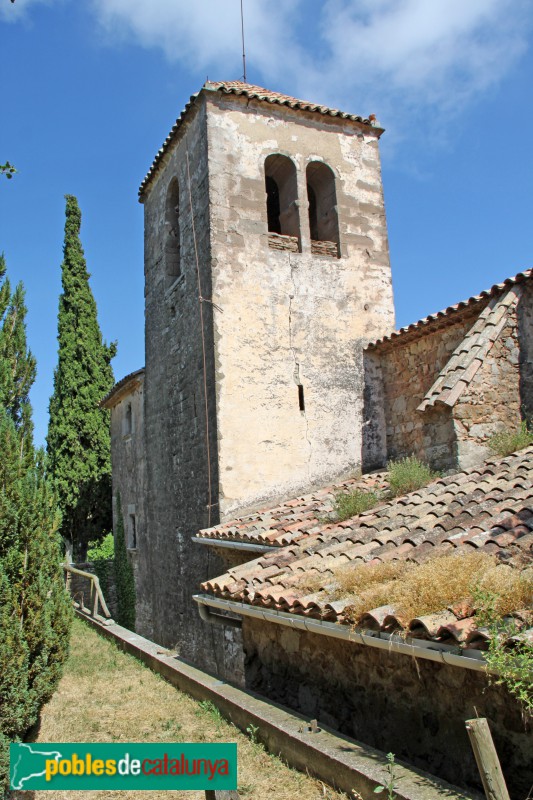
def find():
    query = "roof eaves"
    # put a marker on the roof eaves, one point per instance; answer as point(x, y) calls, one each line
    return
point(238, 88)
point(166, 144)
point(126, 383)
point(447, 316)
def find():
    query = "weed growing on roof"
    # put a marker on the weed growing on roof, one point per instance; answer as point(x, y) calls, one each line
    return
point(406, 475)
point(353, 503)
point(511, 667)
point(507, 442)
point(413, 590)
point(409, 474)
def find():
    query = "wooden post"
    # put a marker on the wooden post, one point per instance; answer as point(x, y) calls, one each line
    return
point(487, 759)
point(221, 794)
point(95, 602)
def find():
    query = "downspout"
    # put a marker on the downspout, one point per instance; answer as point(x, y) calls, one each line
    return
point(429, 650)
point(212, 618)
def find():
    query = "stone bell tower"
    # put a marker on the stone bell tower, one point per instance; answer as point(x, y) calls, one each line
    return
point(267, 269)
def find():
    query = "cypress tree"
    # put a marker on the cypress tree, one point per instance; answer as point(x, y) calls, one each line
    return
point(35, 611)
point(17, 364)
point(78, 434)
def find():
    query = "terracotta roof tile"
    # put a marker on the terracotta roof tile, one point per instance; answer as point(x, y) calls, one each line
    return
point(448, 316)
point(253, 93)
point(466, 359)
point(497, 518)
point(296, 518)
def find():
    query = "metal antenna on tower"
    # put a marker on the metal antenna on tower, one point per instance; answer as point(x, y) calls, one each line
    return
point(243, 50)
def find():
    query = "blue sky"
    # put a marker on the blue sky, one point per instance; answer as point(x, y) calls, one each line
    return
point(92, 87)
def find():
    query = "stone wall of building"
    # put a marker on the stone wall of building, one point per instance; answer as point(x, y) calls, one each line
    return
point(374, 436)
point(129, 480)
point(412, 707)
point(525, 335)
point(292, 316)
point(408, 370)
point(492, 400)
point(399, 374)
point(279, 352)
point(180, 438)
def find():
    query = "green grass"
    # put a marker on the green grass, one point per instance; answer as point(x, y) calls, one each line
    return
point(409, 474)
point(353, 503)
point(405, 475)
point(106, 695)
point(507, 442)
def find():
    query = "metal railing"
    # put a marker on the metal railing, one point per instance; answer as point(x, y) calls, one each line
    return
point(96, 598)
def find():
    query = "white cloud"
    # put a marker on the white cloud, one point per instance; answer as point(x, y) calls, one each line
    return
point(205, 34)
point(405, 60)
point(420, 53)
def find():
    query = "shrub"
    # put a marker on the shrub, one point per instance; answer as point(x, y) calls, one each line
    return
point(509, 667)
point(408, 475)
point(101, 554)
point(103, 550)
point(124, 577)
point(507, 442)
point(35, 612)
point(353, 503)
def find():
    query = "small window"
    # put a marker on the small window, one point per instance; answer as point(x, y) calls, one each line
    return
point(322, 204)
point(282, 203)
point(172, 231)
point(127, 421)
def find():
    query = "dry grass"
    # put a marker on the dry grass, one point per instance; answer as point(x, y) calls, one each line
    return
point(108, 696)
point(415, 590)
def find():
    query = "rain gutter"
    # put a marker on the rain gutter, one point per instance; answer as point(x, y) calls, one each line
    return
point(392, 643)
point(229, 545)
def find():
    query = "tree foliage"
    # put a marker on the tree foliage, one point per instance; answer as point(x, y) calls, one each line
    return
point(78, 433)
point(17, 364)
point(124, 577)
point(35, 611)
point(7, 169)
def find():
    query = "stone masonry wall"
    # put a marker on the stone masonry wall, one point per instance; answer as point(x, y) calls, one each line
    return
point(408, 372)
point(525, 335)
point(397, 376)
point(412, 707)
point(291, 318)
point(492, 400)
point(129, 479)
point(176, 436)
point(374, 445)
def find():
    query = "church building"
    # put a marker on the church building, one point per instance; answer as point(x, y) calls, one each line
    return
point(266, 272)
point(273, 381)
